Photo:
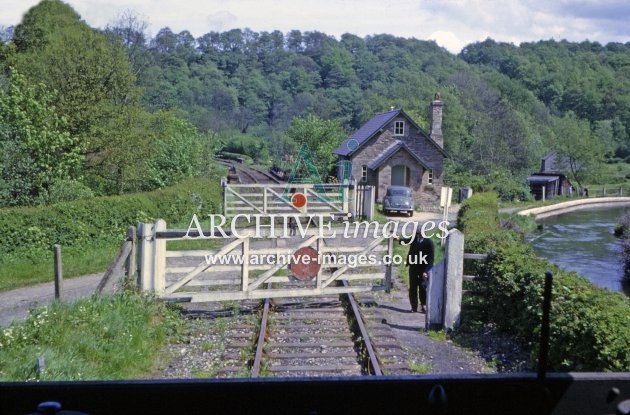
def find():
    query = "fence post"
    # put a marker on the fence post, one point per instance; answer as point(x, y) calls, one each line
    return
point(145, 247)
point(131, 263)
point(388, 267)
point(435, 297)
point(58, 272)
point(159, 258)
point(224, 194)
point(454, 261)
point(245, 265)
point(345, 205)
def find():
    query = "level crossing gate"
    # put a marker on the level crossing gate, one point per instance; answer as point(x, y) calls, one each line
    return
point(199, 275)
point(293, 198)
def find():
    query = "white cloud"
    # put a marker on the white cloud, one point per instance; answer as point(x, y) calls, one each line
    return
point(451, 23)
point(448, 40)
point(221, 21)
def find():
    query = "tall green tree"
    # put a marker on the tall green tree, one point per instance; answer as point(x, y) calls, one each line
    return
point(321, 137)
point(35, 151)
point(90, 78)
point(581, 153)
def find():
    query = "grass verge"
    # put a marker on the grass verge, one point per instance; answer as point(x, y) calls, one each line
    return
point(113, 337)
point(37, 266)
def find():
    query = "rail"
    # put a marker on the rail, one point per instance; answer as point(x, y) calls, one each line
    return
point(262, 333)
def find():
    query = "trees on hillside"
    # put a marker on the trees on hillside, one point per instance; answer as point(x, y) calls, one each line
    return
point(502, 102)
point(70, 112)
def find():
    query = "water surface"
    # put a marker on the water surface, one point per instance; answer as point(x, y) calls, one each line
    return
point(583, 241)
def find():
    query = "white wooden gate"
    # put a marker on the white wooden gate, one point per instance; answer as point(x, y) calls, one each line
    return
point(321, 199)
point(188, 275)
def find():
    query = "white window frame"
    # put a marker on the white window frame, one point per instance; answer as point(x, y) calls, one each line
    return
point(430, 176)
point(399, 126)
point(364, 173)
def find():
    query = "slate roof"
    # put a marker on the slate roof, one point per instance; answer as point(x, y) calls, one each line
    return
point(367, 131)
point(390, 151)
point(373, 127)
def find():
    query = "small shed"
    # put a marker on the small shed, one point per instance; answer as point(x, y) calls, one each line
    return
point(550, 181)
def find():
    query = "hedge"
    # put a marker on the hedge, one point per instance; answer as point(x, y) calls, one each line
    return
point(103, 218)
point(590, 326)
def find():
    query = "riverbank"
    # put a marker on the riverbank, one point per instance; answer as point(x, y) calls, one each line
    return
point(573, 205)
point(591, 325)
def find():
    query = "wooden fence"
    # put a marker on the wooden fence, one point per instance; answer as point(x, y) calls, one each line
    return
point(124, 263)
point(191, 275)
point(265, 199)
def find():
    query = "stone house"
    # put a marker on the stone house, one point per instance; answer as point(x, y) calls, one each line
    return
point(391, 149)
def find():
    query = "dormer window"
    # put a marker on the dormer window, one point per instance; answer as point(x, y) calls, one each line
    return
point(399, 128)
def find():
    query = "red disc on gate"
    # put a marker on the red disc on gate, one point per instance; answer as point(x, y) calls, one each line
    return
point(298, 200)
point(305, 263)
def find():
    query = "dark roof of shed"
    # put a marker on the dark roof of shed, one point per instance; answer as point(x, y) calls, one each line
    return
point(373, 127)
point(390, 151)
point(542, 178)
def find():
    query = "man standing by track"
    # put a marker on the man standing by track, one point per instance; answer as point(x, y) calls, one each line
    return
point(420, 262)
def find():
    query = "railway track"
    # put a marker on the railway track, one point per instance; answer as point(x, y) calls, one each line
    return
point(312, 337)
point(298, 337)
point(250, 175)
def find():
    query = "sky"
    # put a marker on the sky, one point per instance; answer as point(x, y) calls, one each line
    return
point(451, 23)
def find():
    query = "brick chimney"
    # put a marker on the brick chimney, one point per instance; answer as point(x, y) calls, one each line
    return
point(435, 119)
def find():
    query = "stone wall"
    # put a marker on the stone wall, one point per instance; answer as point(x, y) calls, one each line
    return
point(417, 141)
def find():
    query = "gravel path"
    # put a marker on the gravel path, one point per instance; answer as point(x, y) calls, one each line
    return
point(15, 304)
point(427, 353)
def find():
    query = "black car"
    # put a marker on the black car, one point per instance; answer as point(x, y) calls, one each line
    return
point(398, 199)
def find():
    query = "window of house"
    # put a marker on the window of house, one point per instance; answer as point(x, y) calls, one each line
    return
point(430, 177)
point(364, 173)
point(399, 128)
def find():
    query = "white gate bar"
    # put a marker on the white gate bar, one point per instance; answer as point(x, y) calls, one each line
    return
point(227, 248)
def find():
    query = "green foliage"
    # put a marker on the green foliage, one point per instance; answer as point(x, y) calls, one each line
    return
point(102, 218)
point(179, 152)
point(34, 151)
point(590, 326)
point(246, 144)
point(321, 137)
point(580, 152)
point(501, 181)
point(91, 77)
point(119, 338)
point(67, 191)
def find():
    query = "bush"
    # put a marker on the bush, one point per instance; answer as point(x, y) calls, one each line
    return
point(67, 191)
point(590, 326)
point(103, 218)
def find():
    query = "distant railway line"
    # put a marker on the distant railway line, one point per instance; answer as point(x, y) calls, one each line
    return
point(249, 175)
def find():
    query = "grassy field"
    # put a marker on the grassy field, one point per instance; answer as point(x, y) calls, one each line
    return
point(35, 267)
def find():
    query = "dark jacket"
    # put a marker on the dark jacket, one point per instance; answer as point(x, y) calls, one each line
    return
point(421, 248)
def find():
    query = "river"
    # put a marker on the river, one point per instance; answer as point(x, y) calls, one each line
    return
point(583, 241)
